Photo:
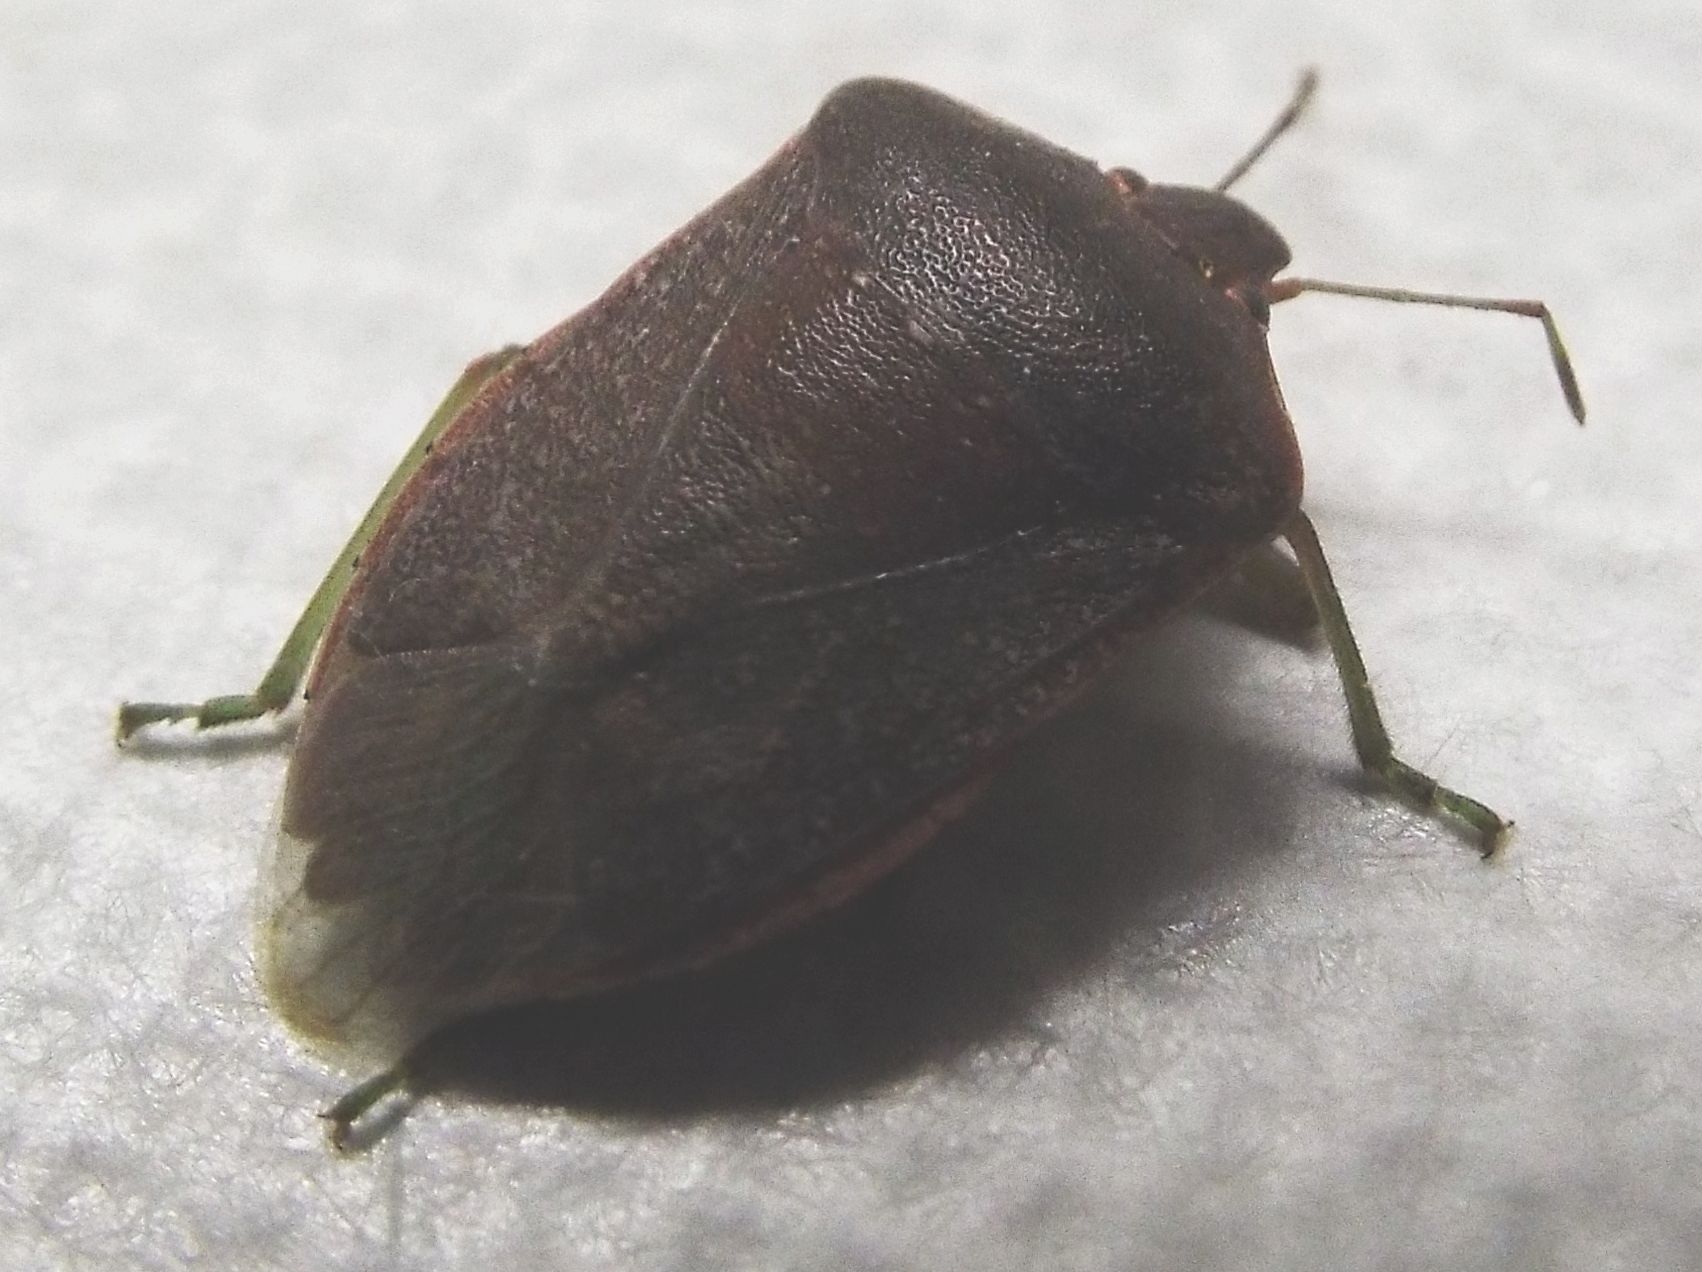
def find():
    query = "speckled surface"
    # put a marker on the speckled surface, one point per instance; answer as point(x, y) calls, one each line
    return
point(1181, 991)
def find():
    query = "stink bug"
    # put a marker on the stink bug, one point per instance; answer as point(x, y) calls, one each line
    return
point(706, 608)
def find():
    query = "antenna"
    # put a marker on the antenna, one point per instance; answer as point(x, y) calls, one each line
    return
point(1290, 113)
point(1288, 288)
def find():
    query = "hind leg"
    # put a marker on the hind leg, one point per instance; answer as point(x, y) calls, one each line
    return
point(277, 688)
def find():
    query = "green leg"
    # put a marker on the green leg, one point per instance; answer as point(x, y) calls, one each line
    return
point(356, 1103)
point(1370, 738)
point(277, 688)
point(1267, 594)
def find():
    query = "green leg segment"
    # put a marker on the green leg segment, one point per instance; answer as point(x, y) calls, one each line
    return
point(341, 1117)
point(1267, 594)
point(277, 689)
point(1370, 738)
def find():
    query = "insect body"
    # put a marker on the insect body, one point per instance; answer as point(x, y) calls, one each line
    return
point(704, 609)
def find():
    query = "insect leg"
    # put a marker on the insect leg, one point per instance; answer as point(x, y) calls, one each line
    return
point(1370, 738)
point(277, 688)
point(355, 1103)
point(1267, 595)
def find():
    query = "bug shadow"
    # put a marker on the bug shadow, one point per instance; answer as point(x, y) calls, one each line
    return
point(1090, 834)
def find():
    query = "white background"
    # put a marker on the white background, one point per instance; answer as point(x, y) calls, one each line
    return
point(1182, 991)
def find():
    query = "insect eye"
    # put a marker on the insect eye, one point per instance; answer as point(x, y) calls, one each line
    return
point(1128, 181)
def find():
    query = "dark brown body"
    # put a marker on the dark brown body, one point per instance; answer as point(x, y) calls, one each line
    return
point(707, 609)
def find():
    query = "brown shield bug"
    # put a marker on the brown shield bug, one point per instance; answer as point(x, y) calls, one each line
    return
point(706, 608)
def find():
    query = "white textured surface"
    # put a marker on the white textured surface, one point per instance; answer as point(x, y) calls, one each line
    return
point(1181, 993)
